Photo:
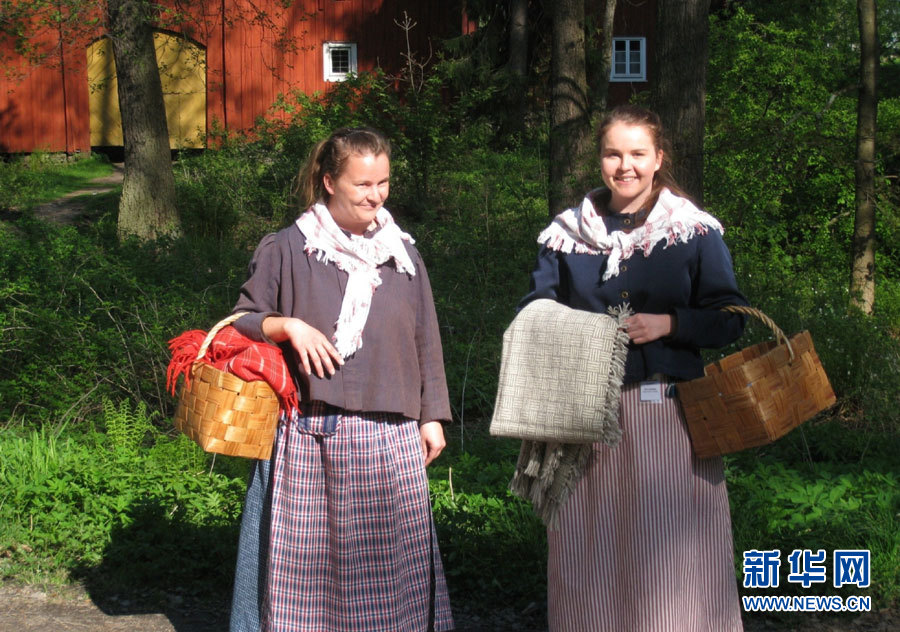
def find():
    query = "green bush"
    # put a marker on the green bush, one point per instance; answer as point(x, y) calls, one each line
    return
point(493, 546)
point(478, 238)
point(85, 317)
point(821, 488)
point(116, 511)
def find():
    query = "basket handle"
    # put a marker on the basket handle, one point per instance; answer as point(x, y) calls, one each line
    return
point(215, 329)
point(752, 311)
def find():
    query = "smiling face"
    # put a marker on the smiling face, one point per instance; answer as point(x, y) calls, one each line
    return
point(629, 160)
point(359, 191)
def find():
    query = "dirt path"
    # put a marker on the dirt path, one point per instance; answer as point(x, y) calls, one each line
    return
point(70, 609)
point(68, 208)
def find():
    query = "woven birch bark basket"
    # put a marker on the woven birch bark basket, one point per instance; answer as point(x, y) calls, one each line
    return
point(223, 413)
point(757, 395)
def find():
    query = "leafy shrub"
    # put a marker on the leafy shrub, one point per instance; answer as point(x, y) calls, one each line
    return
point(493, 546)
point(85, 317)
point(788, 504)
point(478, 239)
point(115, 515)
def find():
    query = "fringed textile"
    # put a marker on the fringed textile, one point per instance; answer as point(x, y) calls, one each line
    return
point(234, 353)
point(359, 256)
point(582, 230)
point(547, 472)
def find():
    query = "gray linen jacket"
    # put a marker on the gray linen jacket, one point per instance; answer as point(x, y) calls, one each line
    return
point(400, 366)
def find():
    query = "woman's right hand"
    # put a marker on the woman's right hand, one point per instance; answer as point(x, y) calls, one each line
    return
point(312, 346)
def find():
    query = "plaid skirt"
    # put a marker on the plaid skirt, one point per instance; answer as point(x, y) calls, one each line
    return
point(337, 533)
point(644, 542)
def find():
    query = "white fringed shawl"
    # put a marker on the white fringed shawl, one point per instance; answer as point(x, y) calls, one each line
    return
point(359, 256)
point(581, 230)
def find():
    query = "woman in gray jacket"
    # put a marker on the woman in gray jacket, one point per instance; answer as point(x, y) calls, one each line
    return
point(337, 531)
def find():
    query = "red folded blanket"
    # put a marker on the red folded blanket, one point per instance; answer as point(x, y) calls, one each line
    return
point(234, 353)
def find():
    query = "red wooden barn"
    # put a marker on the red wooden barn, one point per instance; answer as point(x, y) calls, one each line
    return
point(225, 64)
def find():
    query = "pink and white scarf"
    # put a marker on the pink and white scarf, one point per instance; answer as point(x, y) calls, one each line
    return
point(582, 230)
point(359, 256)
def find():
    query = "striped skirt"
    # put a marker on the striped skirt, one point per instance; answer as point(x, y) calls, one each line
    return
point(337, 533)
point(644, 542)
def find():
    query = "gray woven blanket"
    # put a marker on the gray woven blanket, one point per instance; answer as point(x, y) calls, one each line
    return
point(560, 382)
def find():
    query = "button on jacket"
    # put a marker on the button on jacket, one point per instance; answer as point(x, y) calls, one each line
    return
point(690, 281)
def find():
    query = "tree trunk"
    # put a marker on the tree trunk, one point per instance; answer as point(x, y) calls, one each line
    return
point(518, 62)
point(570, 141)
point(679, 85)
point(600, 83)
point(147, 206)
point(862, 276)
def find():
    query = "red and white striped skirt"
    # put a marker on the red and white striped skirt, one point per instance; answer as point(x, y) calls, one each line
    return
point(644, 542)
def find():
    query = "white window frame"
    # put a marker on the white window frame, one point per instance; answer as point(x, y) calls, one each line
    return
point(328, 72)
point(642, 52)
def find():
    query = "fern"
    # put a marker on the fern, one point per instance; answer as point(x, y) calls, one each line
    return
point(127, 428)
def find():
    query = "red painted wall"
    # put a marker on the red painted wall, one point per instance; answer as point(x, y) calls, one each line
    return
point(48, 108)
point(44, 108)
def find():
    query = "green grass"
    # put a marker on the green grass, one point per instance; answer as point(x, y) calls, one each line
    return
point(41, 178)
point(114, 508)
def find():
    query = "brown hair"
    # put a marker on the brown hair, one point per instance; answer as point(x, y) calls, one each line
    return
point(330, 156)
point(638, 116)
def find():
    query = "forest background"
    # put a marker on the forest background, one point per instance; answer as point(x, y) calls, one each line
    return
point(95, 486)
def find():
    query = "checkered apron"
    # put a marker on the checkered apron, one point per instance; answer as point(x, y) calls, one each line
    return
point(644, 542)
point(344, 539)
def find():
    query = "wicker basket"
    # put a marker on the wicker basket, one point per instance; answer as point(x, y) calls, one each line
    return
point(753, 397)
point(224, 414)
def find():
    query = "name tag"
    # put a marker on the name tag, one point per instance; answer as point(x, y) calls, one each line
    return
point(651, 392)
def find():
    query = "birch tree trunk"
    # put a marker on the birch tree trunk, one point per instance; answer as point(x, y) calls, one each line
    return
point(147, 206)
point(862, 276)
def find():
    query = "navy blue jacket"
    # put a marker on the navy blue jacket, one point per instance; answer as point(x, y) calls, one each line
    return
point(688, 280)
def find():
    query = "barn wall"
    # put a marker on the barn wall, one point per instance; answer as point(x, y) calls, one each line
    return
point(44, 108)
point(48, 107)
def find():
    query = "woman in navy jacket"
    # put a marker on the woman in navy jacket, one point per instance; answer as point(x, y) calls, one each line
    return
point(644, 542)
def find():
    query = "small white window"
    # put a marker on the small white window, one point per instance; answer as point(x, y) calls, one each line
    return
point(629, 59)
point(340, 60)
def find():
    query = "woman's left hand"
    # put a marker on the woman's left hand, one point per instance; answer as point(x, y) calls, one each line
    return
point(643, 328)
point(431, 434)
